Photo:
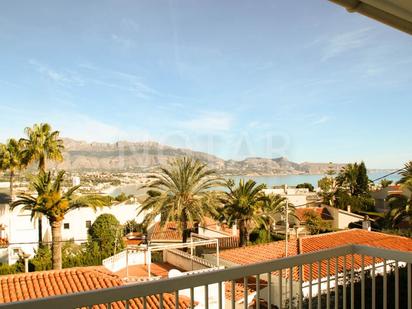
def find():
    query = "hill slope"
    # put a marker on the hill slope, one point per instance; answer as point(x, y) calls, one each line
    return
point(145, 156)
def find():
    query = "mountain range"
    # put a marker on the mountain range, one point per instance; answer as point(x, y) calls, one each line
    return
point(146, 156)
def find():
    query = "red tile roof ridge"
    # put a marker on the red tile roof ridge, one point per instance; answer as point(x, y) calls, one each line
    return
point(92, 270)
point(351, 231)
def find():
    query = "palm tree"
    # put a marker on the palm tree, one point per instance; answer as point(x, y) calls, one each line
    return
point(406, 173)
point(42, 144)
point(53, 203)
point(10, 159)
point(273, 206)
point(243, 205)
point(181, 192)
point(347, 177)
point(400, 206)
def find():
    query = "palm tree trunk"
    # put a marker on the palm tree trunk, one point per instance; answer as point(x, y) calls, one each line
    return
point(242, 233)
point(56, 244)
point(40, 223)
point(42, 164)
point(184, 229)
point(11, 184)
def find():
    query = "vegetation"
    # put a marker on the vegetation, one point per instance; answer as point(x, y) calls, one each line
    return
point(273, 205)
point(10, 159)
point(132, 226)
point(6, 269)
point(349, 188)
point(106, 234)
point(306, 185)
point(406, 173)
point(181, 192)
point(243, 206)
point(53, 203)
point(328, 187)
point(122, 197)
point(41, 144)
point(366, 285)
point(315, 224)
point(384, 183)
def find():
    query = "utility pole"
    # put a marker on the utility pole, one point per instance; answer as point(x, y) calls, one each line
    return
point(286, 221)
point(286, 239)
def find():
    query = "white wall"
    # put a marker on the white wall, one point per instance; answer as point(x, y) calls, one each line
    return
point(295, 196)
point(342, 218)
point(127, 258)
point(77, 219)
point(22, 231)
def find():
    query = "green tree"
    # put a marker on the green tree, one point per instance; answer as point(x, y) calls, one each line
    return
point(243, 206)
point(53, 203)
point(122, 197)
point(42, 259)
point(314, 223)
point(362, 180)
point(406, 173)
point(131, 226)
point(181, 192)
point(347, 178)
point(306, 185)
point(353, 188)
point(328, 189)
point(41, 144)
point(354, 178)
point(400, 207)
point(107, 233)
point(273, 205)
point(11, 159)
point(385, 183)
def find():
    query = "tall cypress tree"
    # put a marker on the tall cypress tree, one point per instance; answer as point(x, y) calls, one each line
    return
point(362, 180)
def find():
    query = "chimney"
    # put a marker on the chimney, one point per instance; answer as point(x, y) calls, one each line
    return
point(348, 209)
point(366, 224)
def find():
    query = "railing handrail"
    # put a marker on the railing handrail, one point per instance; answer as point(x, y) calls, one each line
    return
point(131, 291)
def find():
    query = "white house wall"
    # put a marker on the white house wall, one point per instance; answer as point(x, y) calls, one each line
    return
point(22, 231)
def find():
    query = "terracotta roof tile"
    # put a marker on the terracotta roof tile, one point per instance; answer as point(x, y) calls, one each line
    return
point(170, 231)
point(167, 232)
point(275, 250)
point(58, 282)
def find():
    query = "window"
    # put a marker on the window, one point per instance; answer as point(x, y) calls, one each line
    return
point(88, 224)
point(66, 226)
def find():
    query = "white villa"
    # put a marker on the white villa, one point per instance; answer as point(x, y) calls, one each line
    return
point(22, 232)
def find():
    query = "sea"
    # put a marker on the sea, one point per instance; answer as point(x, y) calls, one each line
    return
point(290, 180)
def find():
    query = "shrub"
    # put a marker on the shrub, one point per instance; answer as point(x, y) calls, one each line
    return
point(107, 233)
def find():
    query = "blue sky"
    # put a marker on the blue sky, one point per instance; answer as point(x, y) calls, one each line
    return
point(301, 79)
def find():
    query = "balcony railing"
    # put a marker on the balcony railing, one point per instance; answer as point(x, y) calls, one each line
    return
point(351, 276)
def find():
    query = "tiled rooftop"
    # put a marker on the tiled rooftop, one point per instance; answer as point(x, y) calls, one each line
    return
point(156, 270)
point(240, 287)
point(57, 282)
point(274, 250)
point(167, 232)
point(170, 231)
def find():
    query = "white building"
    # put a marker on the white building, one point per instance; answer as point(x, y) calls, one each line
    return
point(22, 231)
point(298, 197)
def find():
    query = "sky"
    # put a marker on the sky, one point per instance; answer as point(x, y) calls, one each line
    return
point(301, 79)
